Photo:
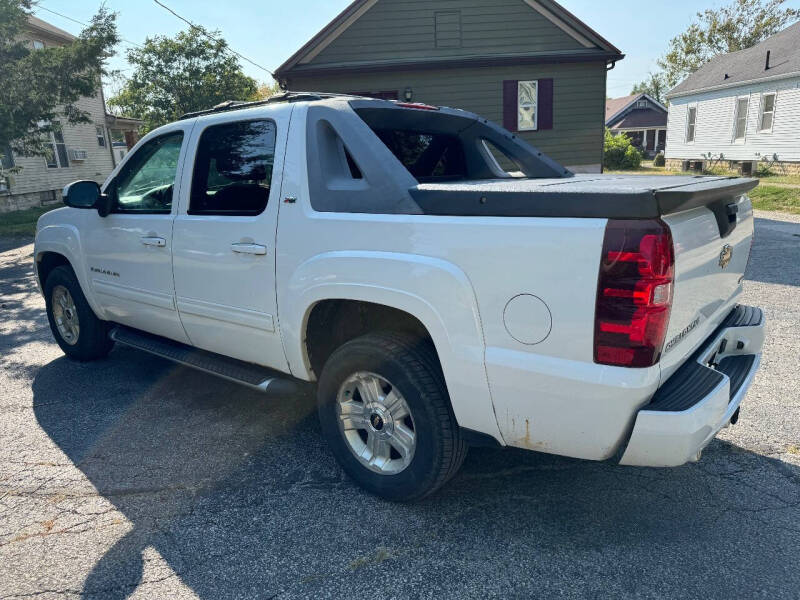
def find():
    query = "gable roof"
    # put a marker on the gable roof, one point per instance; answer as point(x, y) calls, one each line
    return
point(554, 12)
point(616, 106)
point(36, 24)
point(746, 66)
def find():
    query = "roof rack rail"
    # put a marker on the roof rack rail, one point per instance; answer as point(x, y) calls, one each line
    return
point(229, 105)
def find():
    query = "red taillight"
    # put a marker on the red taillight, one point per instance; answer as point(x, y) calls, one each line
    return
point(634, 293)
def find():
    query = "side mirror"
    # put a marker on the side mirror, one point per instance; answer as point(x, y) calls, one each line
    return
point(86, 194)
point(81, 194)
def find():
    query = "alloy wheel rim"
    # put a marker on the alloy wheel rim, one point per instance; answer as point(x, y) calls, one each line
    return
point(376, 423)
point(65, 315)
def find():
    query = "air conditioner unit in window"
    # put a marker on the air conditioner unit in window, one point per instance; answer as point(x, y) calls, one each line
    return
point(76, 154)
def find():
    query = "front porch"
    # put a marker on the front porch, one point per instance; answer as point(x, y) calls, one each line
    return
point(650, 141)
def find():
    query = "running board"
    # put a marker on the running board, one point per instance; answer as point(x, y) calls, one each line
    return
point(253, 376)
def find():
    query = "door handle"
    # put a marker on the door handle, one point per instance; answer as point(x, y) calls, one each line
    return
point(152, 240)
point(256, 249)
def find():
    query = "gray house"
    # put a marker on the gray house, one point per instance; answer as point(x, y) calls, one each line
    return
point(528, 64)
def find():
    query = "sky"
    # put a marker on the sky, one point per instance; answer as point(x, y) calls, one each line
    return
point(269, 31)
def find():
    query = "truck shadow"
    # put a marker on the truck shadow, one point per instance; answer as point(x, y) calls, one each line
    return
point(238, 494)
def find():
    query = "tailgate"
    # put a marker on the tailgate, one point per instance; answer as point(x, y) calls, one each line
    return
point(712, 246)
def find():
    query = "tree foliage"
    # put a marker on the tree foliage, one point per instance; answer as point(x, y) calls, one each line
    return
point(736, 26)
point(267, 90)
point(174, 75)
point(40, 87)
point(654, 86)
point(619, 153)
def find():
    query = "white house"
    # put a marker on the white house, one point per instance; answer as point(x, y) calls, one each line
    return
point(740, 109)
point(84, 151)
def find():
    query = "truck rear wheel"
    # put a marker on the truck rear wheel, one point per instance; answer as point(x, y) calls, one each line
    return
point(78, 331)
point(385, 413)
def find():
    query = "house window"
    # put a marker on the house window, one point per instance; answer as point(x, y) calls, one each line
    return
point(691, 123)
point(740, 119)
point(767, 118)
point(101, 136)
point(37, 44)
point(61, 147)
point(641, 104)
point(527, 99)
point(55, 154)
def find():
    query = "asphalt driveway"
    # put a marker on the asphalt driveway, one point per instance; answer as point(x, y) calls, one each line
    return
point(135, 477)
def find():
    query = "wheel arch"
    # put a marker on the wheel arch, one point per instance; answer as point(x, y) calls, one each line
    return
point(46, 262)
point(433, 295)
point(58, 245)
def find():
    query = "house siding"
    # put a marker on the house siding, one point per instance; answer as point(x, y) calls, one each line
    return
point(576, 139)
point(405, 29)
point(715, 124)
point(36, 183)
point(35, 176)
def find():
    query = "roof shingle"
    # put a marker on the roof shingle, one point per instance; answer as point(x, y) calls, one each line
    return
point(747, 65)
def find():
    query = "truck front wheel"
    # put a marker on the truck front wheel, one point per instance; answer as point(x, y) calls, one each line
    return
point(386, 416)
point(78, 331)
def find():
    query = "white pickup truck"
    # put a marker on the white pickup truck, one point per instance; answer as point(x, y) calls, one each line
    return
point(442, 282)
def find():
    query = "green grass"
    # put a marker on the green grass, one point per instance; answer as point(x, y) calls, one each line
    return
point(22, 222)
point(770, 197)
point(645, 169)
point(785, 179)
point(764, 197)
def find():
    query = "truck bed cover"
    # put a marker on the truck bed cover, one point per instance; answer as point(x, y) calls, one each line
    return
point(587, 196)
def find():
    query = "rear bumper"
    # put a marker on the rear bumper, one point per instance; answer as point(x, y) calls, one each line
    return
point(701, 397)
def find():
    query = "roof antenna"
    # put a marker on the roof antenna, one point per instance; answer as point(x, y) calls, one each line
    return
point(766, 67)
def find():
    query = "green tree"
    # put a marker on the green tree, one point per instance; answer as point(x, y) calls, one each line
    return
point(174, 75)
point(654, 86)
point(40, 87)
point(736, 26)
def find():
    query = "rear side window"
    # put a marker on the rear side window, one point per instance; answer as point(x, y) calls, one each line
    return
point(233, 169)
point(427, 156)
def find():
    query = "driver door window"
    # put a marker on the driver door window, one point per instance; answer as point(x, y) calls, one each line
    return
point(146, 182)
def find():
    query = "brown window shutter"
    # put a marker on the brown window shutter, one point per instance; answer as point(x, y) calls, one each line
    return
point(510, 99)
point(545, 105)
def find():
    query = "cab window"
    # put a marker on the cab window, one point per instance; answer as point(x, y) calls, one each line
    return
point(146, 182)
point(233, 169)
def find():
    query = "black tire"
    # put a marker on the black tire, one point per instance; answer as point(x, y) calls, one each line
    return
point(411, 365)
point(92, 341)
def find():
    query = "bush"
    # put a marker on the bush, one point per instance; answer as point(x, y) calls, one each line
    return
point(619, 153)
point(659, 160)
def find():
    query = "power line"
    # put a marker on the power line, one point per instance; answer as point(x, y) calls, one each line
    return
point(208, 35)
point(39, 6)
